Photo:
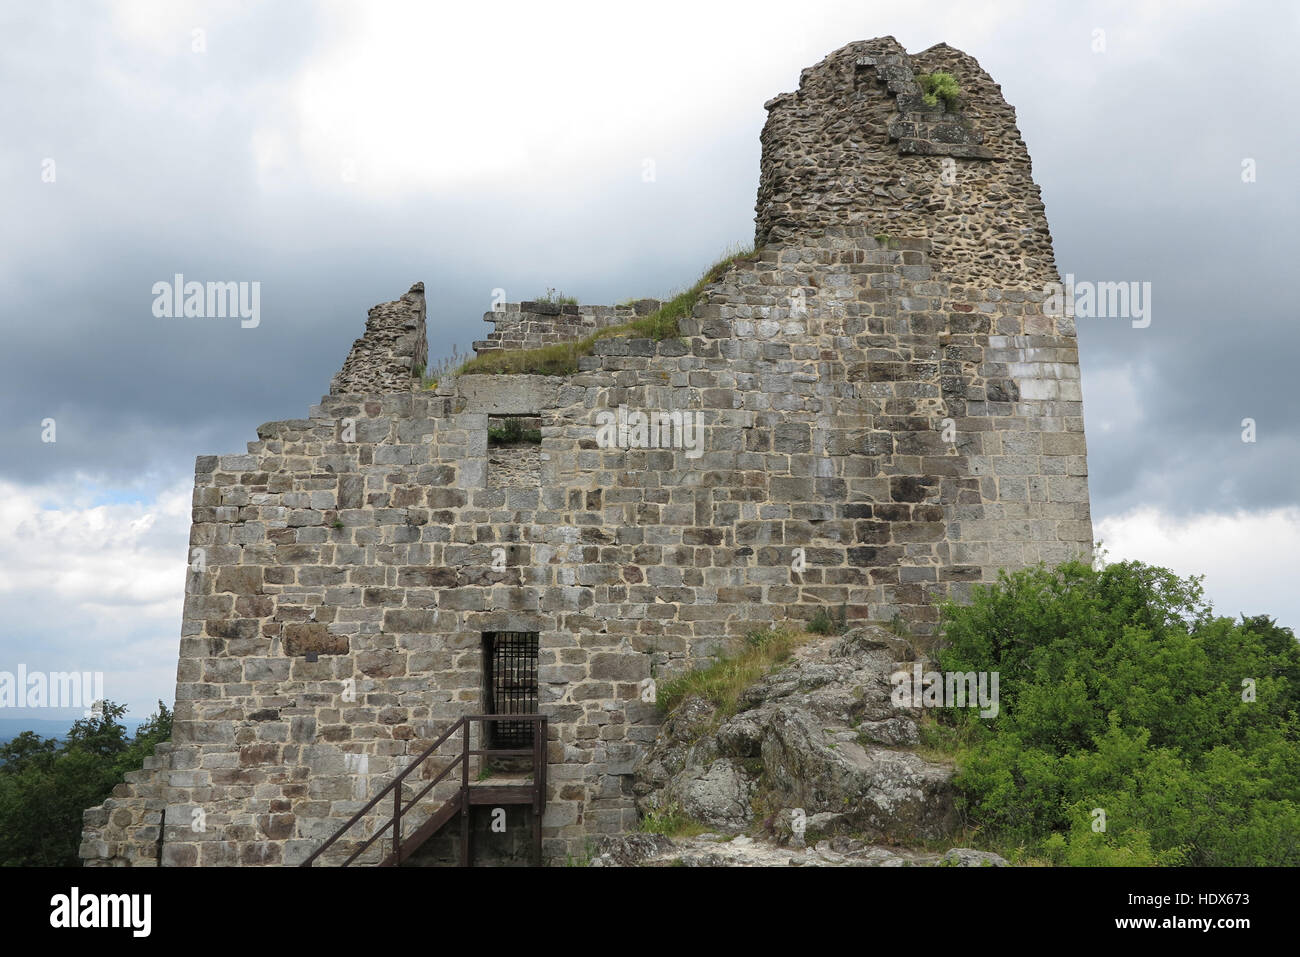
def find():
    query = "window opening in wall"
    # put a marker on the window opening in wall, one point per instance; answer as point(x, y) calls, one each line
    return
point(514, 457)
point(514, 430)
point(509, 686)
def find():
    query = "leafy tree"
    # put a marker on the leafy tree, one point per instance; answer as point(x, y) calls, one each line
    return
point(46, 784)
point(1122, 695)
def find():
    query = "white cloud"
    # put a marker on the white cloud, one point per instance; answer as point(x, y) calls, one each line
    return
point(520, 95)
point(1247, 558)
point(93, 555)
point(1113, 400)
point(94, 587)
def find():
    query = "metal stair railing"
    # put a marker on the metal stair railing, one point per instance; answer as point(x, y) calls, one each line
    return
point(536, 795)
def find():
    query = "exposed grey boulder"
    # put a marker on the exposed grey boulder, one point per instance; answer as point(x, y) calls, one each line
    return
point(628, 850)
point(718, 795)
point(969, 857)
point(819, 734)
point(713, 850)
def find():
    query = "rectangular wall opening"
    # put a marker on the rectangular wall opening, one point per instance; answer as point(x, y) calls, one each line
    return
point(514, 458)
point(509, 687)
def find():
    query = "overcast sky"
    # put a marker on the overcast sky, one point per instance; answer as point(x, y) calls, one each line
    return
point(336, 153)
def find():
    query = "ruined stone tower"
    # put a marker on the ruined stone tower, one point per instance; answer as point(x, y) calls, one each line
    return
point(886, 415)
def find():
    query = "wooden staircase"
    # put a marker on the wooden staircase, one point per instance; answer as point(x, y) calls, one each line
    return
point(467, 797)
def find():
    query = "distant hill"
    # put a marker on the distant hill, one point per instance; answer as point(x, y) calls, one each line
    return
point(10, 728)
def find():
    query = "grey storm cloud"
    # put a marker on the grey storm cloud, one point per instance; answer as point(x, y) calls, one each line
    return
point(1138, 152)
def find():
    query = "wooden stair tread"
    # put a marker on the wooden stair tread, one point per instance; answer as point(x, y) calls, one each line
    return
point(425, 831)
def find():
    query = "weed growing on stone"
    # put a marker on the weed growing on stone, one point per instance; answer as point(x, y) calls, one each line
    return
point(512, 432)
point(939, 86)
point(430, 377)
point(557, 298)
point(829, 623)
point(940, 741)
point(562, 358)
point(671, 821)
point(583, 861)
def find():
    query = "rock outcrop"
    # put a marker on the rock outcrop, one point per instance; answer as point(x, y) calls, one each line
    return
point(816, 747)
point(717, 850)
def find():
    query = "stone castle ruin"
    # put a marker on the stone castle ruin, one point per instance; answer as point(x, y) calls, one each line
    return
point(886, 415)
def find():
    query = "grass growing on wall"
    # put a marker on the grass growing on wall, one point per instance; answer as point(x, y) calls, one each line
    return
point(557, 298)
point(562, 358)
point(830, 623)
point(441, 368)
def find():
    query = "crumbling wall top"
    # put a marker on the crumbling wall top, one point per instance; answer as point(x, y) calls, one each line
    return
point(530, 325)
point(857, 146)
point(393, 351)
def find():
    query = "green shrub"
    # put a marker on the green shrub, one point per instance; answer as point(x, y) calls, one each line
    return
point(1121, 692)
point(512, 432)
point(828, 623)
point(939, 86)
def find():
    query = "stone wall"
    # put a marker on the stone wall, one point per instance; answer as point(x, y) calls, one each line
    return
point(126, 830)
point(531, 325)
point(836, 153)
point(892, 415)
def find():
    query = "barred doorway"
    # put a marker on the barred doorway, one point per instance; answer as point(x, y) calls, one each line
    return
point(509, 687)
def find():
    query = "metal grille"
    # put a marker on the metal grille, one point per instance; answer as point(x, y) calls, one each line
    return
point(510, 665)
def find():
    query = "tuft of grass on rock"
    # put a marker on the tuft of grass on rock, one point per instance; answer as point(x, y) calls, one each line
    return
point(441, 368)
point(671, 821)
point(588, 854)
point(722, 682)
point(828, 623)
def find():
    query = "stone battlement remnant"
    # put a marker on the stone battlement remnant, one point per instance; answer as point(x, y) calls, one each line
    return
point(857, 148)
point(392, 353)
point(531, 325)
point(886, 416)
